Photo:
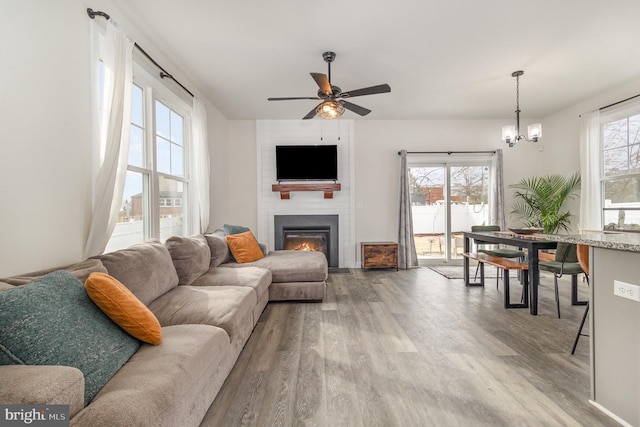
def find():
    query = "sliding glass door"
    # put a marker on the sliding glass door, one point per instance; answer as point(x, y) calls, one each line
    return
point(447, 199)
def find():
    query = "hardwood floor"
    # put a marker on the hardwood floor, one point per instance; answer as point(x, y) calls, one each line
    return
point(411, 348)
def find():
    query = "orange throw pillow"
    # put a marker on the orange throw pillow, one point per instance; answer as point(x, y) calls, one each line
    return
point(123, 307)
point(244, 247)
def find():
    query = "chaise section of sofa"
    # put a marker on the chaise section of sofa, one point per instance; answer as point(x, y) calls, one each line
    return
point(295, 275)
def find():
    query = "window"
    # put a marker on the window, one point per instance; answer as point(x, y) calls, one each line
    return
point(621, 168)
point(154, 202)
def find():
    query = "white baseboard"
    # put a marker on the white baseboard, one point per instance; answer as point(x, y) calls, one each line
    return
point(610, 414)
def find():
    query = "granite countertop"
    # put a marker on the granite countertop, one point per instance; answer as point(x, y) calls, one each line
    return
point(619, 241)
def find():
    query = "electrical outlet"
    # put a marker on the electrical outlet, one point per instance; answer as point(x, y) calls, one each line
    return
point(626, 290)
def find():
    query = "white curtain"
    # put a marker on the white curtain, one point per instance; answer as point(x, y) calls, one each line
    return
point(407, 256)
point(496, 211)
point(201, 161)
point(115, 120)
point(590, 160)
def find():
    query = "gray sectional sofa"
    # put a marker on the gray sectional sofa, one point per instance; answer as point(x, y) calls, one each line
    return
point(207, 305)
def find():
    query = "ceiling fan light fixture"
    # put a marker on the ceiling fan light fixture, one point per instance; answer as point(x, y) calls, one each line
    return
point(330, 110)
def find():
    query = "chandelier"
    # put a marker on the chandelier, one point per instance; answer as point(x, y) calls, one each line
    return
point(330, 110)
point(510, 133)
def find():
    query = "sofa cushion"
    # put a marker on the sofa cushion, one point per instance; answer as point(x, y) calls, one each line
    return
point(223, 306)
point(191, 257)
point(146, 269)
point(81, 270)
point(163, 385)
point(297, 291)
point(55, 385)
point(291, 266)
point(218, 247)
point(122, 306)
point(256, 278)
point(52, 321)
point(244, 247)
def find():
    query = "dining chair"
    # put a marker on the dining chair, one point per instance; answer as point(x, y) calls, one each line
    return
point(499, 252)
point(582, 252)
point(565, 262)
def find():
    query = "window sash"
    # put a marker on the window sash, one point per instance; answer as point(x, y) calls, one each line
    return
point(619, 175)
point(159, 209)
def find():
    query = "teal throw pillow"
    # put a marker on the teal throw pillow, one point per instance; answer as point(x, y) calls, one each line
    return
point(52, 321)
point(234, 229)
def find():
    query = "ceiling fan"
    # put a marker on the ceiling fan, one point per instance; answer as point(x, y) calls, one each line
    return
point(333, 102)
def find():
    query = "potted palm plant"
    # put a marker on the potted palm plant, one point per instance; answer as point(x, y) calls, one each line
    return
point(540, 201)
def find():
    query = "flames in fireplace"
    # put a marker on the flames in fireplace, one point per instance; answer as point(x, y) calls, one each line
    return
point(295, 242)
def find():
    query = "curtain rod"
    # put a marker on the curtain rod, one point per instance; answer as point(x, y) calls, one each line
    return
point(448, 152)
point(615, 103)
point(619, 102)
point(164, 74)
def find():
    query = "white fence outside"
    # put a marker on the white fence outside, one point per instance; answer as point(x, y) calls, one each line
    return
point(430, 219)
point(129, 233)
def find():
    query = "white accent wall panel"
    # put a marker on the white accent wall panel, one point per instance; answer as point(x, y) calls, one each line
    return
point(310, 132)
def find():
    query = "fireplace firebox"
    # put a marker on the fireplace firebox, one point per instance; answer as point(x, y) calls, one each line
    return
point(308, 233)
point(305, 240)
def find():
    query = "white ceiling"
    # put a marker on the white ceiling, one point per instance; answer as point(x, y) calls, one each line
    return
point(444, 59)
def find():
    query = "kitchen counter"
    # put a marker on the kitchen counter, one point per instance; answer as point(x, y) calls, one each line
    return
point(619, 241)
point(614, 261)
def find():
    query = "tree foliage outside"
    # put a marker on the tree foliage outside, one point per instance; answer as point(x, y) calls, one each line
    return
point(468, 183)
point(540, 201)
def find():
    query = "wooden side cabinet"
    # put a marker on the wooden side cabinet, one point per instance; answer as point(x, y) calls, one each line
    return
point(379, 255)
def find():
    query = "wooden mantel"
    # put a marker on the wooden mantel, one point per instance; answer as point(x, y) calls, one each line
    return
point(285, 189)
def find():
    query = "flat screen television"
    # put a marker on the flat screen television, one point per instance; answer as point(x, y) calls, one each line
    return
point(306, 162)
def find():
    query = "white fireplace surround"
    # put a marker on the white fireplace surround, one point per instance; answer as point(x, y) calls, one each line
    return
point(270, 133)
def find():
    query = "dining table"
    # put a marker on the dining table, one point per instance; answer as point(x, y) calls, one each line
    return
point(533, 243)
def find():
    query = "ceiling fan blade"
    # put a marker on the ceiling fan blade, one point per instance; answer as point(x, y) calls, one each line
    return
point(323, 82)
point(289, 99)
point(355, 108)
point(311, 114)
point(367, 91)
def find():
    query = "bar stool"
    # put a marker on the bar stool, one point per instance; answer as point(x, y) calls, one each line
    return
point(566, 262)
point(583, 259)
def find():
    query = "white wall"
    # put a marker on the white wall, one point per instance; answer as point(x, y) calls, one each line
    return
point(45, 149)
point(45, 141)
point(377, 143)
point(271, 133)
point(44, 134)
point(377, 164)
point(242, 176)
